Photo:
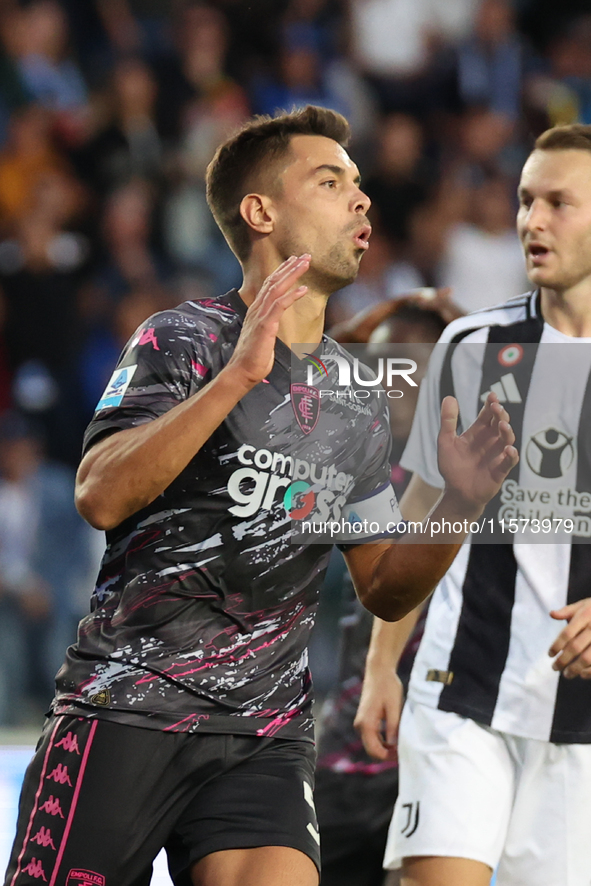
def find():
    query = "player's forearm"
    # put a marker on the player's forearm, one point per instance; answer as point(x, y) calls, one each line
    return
point(405, 576)
point(129, 469)
point(388, 640)
point(405, 573)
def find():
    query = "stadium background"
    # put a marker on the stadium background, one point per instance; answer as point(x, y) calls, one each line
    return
point(109, 113)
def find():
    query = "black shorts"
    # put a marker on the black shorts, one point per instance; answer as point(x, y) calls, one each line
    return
point(354, 812)
point(100, 799)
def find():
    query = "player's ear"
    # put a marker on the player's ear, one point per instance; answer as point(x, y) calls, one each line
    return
point(257, 212)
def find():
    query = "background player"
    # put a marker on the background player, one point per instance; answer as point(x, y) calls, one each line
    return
point(203, 606)
point(354, 794)
point(495, 743)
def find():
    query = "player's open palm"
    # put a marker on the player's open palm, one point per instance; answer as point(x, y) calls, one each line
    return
point(255, 350)
point(475, 463)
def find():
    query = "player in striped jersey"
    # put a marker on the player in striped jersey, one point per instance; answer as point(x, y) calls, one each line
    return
point(495, 740)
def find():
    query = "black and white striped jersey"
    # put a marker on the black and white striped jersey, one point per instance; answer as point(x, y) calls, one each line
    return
point(484, 654)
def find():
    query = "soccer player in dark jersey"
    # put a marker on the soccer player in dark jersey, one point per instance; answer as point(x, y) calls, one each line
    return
point(182, 714)
point(495, 737)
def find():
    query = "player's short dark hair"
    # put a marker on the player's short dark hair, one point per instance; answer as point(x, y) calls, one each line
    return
point(249, 161)
point(576, 136)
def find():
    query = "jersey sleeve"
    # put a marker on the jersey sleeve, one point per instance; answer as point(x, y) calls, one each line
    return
point(166, 361)
point(420, 453)
point(372, 503)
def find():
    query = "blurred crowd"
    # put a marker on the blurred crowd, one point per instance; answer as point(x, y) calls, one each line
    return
point(110, 111)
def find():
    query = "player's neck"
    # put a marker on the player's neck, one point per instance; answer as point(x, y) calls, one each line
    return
point(302, 323)
point(568, 311)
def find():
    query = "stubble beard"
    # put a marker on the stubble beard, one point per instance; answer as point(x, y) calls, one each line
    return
point(560, 282)
point(331, 272)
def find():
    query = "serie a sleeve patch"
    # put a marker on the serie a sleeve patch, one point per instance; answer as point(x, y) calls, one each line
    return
point(115, 390)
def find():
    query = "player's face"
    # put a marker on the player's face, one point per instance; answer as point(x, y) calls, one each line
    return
point(554, 218)
point(322, 210)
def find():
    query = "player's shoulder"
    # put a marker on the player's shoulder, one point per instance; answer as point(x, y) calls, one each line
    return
point(332, 347)
point(514, 310)
point(196, 325)
point(335, 351)
point(221, 311)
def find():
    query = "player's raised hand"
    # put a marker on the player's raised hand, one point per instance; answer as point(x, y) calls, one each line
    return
point(255, 350)
point(475, 463)
point(573, 644)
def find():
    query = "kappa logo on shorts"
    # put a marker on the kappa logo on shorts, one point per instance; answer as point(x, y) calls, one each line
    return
point(60, 775)
point(78, 877)
point(43, 838)
point(35, 869)
point(69, 744)
point(52, 806)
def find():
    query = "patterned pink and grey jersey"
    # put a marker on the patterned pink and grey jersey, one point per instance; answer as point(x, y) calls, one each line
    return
point(204, 604)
